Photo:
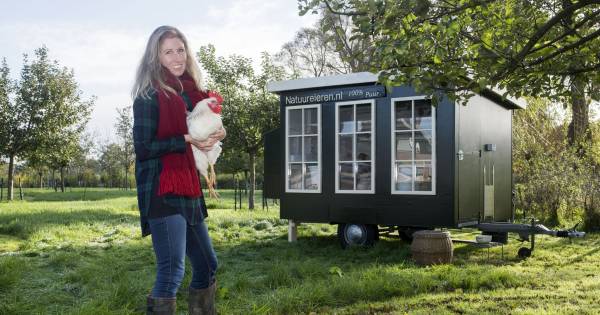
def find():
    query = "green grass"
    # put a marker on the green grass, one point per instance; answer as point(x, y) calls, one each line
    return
point(75, 254)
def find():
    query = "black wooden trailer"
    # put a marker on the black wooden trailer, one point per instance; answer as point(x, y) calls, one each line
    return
point(370, 159)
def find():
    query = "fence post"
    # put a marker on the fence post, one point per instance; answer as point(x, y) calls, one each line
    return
point(234, 193)
point(240, 191)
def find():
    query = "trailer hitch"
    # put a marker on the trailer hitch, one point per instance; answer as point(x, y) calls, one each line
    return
point(527, 232)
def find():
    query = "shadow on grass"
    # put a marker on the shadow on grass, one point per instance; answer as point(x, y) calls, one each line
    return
point(89, 194)
point(22, 225)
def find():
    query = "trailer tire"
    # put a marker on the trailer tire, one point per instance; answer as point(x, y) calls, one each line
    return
point(524, 252)
point(354, 234)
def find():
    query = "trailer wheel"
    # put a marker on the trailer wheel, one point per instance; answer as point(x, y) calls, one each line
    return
point(352, 234)
point(524, 252)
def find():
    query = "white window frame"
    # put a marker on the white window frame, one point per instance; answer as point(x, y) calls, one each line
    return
point(287, 144)
point(393, 148)
point(337, 158)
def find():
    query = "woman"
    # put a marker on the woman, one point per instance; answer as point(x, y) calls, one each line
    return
point(172, 208)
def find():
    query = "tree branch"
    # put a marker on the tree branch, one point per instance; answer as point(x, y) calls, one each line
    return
point(342, 13)
point(569, 32)
point(545, 28)
point(595, 67)
point(454, 10)
point(578, 43)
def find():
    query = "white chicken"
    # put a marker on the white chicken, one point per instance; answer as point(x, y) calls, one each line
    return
point(204, 120)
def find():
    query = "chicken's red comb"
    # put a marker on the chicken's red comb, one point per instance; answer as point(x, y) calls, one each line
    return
point(217, 96)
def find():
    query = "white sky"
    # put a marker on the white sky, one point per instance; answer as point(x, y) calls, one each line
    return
point(102, 41)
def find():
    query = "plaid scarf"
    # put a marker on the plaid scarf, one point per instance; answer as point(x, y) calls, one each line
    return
point(178, 175)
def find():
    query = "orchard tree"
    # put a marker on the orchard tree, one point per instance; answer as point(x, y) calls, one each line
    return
point(547, 48)
point(38, 162)
point(110, 163)
point(64, 150)
point(124, 126)
point(45, 110)
point(80, 163)
point(249, 110)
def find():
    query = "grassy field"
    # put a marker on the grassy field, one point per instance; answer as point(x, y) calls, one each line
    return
point(75, 254)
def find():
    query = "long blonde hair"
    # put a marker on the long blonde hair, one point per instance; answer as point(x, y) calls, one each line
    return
point(150, 70)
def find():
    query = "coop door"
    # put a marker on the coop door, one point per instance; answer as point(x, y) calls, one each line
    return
point(468, 157)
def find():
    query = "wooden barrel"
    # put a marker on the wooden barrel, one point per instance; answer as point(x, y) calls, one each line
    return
point(431, 247)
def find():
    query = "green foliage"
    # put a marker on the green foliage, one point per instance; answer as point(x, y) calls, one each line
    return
point(553, 182)
point(45, 116)
point(111, 162)
point(7, 88)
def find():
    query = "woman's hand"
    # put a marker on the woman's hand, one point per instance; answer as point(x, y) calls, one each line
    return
point(219, 134)
point(201, 145)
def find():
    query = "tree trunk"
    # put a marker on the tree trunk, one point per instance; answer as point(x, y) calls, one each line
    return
point(40, 173)
point(11, 173)
point(579, 127)
point(252, 181)
point(20, 190)
point(54, 180)
point(62, 179)
point(246, 181)
point(126, 179)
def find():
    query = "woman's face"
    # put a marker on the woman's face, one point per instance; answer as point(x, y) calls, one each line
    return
point(173, 56)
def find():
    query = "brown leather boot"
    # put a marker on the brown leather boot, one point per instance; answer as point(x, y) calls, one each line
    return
point(202, 301)
point(160, 306)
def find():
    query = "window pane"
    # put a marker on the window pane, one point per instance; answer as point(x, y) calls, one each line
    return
point(363, 117)
point(295, 149)
point(345, 147)
point(403, 145)
point(403, 115)
point(423, 114)
point(295, 122)
point(346, 176)
point(312, 177)
point(346, 117)
point(363, 147)
point(295, 180)
point(363, 176)
point(404, 176)
point(423, 176)
point(311, 121)
point(423, 145)
point(311, 149)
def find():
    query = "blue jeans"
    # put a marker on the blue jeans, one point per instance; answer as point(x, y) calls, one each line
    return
point(172, 239)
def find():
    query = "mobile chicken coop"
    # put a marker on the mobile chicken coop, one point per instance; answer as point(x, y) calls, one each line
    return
point(370, 159)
